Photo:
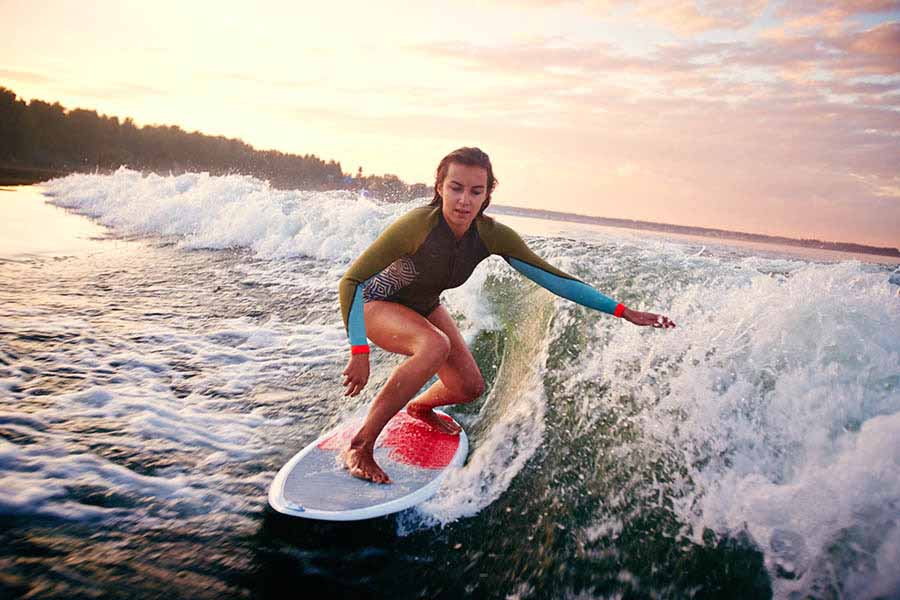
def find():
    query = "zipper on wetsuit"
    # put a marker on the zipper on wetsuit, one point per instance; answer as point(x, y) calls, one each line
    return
point(453, 255)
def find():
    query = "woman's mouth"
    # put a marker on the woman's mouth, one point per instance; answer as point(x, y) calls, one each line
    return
point(461, 213)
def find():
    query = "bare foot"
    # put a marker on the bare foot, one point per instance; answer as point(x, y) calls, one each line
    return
point(361, 463)
point(427, 414)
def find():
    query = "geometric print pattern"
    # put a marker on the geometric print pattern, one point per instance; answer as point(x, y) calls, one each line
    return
point(396, 276)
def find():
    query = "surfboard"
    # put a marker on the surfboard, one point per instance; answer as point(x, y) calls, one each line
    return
point(315, 485)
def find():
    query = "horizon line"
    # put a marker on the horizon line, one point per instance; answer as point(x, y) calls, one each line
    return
point(623, 223)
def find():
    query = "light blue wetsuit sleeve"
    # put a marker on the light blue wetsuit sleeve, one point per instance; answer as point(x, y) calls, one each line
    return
point(571, 289)
point(356, 326)
point(500, 239)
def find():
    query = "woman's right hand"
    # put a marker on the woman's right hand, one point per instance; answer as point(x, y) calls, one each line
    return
point(647, 318)
point(356, 375)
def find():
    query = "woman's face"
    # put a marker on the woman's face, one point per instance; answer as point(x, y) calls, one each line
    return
point(463, 192)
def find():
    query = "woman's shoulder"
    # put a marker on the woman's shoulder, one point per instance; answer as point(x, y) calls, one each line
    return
point(412, 227)
point(419, 216)
point(496, 236)
point(492, 225)
point(423, 211)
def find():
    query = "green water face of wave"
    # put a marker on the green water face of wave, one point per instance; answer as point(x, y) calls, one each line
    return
point(590, 510)
point(625, 492)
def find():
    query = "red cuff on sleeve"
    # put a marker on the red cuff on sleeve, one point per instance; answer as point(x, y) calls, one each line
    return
point(619, 310)
point(361, 349)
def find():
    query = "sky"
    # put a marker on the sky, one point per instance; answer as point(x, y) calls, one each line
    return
point(771, 117)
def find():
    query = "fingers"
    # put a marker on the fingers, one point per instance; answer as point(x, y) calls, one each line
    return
point(355, 378)
point(354, 386)
point(663, 321)
point(658, 321)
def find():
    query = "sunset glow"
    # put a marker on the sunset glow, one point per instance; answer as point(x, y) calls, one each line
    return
point(780, 118)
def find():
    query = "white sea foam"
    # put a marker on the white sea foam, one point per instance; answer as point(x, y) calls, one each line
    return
point(779, 390)
point(468, 303)
point(136, 415)
point(777, 393)
point(232, 211)
point(499, 457)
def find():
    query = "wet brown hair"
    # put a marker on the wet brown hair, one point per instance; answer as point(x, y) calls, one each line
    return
point(471, 157)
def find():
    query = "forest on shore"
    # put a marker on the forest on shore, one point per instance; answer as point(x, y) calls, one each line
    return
point(39, 141)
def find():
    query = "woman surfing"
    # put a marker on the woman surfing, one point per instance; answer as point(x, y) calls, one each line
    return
point(391, 295)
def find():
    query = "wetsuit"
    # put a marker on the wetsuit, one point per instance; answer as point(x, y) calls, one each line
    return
point(417, 257)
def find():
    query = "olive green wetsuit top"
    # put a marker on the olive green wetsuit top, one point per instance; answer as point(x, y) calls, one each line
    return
point(417, 257)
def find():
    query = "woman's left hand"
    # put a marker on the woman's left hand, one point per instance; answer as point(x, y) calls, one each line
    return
point(646, 318)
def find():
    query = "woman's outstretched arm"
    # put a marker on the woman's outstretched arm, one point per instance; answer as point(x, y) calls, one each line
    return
point(507, 243)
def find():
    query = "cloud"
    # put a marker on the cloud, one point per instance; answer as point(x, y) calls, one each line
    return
point(852, 52)
point(829, 15)
point(682, 16)
point(540, 55)
point(882, 41)
point(256, 80)
point(689, 17)
point(108, 90)
point(24, 76)
point(784, 119)
point(118, 90)
point(808, 59)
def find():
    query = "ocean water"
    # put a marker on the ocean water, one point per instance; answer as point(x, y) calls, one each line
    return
point(167, 343)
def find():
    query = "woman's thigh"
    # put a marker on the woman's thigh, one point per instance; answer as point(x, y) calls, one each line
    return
point(396, 328)
point(460, 373)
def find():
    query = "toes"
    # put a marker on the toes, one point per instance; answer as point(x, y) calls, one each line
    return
point(365, 472)
point(449, 427)
point(376, 477)
point(361, 473)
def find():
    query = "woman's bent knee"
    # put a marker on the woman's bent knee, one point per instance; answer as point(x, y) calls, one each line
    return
point(436, 346)
point(473, 389)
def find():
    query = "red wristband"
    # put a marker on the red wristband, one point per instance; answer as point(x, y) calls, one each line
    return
point(361, 349)
point(619, 310)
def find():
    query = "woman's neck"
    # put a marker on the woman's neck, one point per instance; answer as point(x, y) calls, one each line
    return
point(456, 233)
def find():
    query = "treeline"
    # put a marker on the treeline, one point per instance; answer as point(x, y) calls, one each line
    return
point(39, 140)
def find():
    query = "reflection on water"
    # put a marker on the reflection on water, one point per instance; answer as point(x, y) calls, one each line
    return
point(31, 226)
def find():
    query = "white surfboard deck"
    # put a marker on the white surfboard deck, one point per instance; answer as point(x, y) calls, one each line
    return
point(315, 485)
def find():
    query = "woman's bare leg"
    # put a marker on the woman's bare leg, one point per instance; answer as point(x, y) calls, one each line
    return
point(398, 329)
point(459, 379)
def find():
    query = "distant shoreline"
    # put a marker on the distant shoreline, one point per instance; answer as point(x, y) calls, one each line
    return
point(699, 231)
point(27, 175)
